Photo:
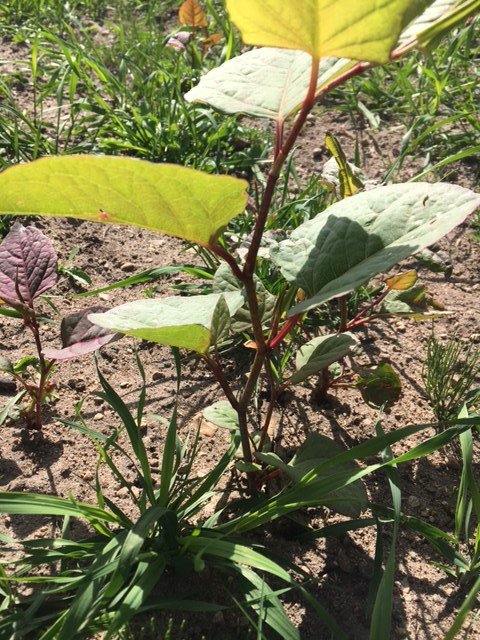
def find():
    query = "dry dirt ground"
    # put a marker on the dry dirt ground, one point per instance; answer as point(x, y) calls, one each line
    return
point(62, 462)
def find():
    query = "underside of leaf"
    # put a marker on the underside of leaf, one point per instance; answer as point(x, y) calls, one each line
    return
point(367, 234)
point(178, 322)
point(366, 30)
point(171, 199)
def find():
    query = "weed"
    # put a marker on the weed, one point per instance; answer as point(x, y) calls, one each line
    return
point(448, 374)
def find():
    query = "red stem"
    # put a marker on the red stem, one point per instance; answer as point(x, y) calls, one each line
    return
point(284, 331)
point(356, 321)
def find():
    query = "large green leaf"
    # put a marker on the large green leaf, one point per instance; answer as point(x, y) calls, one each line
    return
point(178, 322)
point(366, 30)
point(265, 83)
point(320, 353)
point(366, 234)
point(272, 83)
point(181, 202)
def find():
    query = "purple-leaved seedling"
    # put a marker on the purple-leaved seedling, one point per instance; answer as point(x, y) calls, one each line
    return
point(28, 269)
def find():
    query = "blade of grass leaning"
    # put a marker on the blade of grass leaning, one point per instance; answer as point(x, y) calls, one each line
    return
point(150, 275)
point(237, 553)
point(12, 502)
point(309, 491)
point(134, 542)
point(146, 577)
point(461, 155)
point(463, 612)
point(4, 413)
point(168, 459)
point(133, 433)
point(268, 607)
point(89, 597)
point(380, 626)
point(324, 616)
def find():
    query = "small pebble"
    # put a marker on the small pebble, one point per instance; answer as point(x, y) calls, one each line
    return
point(122, 492)
point(98, 416)
point(128, 267)
point(413, 502)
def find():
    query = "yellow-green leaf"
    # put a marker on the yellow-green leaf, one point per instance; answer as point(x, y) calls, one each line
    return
point(185, 322)
point(191, 14)
point(174, 200)
point(362, 30)
point(349, 182)
point(402, 281)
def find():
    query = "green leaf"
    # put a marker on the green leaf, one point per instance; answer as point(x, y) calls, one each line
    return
point(136, 538)
point(367, 234)
point(317, 449)
point(438, 19)
point(320, 353)
point(234, 552)
point(146, 577)
point(311, 491)
point(225, 281)
point(178, 322)
point(266, 603)
point(264, 83)
point(379, 385)
point(272, 83)
point(221, 322)
point(412, 303)
point(222, 414)
point(366, 30)
point(43, 505)
point(174, 200)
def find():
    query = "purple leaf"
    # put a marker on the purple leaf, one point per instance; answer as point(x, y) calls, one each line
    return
point(28, 265)
point(80, 336)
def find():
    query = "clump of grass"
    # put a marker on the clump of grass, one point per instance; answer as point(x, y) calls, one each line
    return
point(433, 97)
point(448, 374)
point(117, 89)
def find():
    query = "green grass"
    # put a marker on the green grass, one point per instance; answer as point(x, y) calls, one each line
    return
point(434, 97)
point(116, 88)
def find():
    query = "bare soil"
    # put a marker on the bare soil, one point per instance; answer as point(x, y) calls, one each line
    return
point(61, 461)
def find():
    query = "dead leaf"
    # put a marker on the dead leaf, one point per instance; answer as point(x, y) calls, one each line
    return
point(191, 14)
point(211, 41)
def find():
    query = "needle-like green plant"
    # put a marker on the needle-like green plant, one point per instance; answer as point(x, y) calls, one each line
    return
point(450, 371)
